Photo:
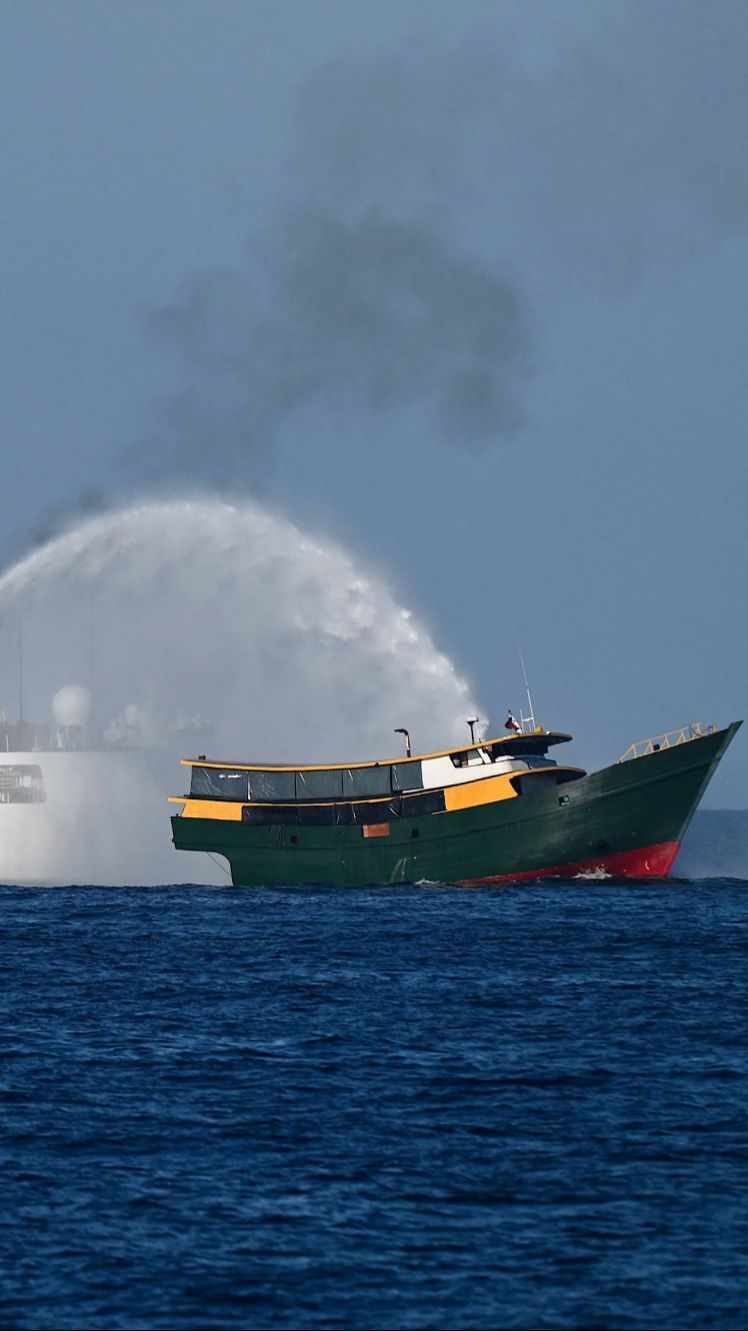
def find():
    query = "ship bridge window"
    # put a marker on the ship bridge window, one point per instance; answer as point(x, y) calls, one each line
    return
point(516, 750)
point(218, 783)
point(470, 758)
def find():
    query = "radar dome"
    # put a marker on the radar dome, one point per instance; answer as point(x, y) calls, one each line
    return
point(71, 705)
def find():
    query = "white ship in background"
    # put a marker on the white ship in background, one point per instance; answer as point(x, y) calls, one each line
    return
point(61, 779)
point(22, 778)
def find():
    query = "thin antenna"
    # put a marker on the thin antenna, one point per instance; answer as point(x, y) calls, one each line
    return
point(91, 642)
point(20, 671)
point(91, 723)
point(531, 717)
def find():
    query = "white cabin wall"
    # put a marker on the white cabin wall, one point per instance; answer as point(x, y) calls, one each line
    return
point(438, 772)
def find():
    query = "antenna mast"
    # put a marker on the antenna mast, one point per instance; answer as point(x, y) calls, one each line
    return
point(20, 672)
point(530, 718)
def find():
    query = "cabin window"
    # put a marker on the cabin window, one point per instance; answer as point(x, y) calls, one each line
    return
point(218, 783)
point(517, 749)
point(407, 776)
point(459, 759)
point(268, 786)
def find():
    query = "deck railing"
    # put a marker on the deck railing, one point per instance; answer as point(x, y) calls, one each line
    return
point(668, 740)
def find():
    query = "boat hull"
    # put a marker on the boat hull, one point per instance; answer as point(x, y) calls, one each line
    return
point(626, 820)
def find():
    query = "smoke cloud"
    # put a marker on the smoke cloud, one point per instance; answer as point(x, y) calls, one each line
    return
point(373, 316)
point(438, 197)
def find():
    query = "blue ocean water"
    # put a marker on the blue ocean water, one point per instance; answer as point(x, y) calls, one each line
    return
point(395, 1107)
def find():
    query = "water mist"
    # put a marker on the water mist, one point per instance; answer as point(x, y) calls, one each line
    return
point(212, 627)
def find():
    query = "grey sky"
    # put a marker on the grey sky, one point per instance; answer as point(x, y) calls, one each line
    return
point(462, 286)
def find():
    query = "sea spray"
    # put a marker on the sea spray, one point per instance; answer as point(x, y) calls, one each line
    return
point(222, 628)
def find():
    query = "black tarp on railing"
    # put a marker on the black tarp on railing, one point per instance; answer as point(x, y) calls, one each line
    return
point(337, 783)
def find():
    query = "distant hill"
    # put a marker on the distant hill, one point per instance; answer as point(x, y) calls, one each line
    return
point(715, 845)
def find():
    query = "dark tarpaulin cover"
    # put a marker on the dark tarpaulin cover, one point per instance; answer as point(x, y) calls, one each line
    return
point(431, 801)
point(267, 815)
point(319, 785)
point(272, 785)
point(334, 784)
point(345, 815)
point(407, 776)
point(378, 811)
point(218, 783)
point(366, 782)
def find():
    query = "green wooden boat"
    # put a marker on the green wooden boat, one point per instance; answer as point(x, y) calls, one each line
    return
point(494, 811)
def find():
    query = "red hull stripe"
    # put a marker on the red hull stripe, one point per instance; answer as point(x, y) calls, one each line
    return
point(645, 862)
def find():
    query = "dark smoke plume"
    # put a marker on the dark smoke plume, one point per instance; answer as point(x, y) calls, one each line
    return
point(436, 195)
point(374, 315)
point(357, 301)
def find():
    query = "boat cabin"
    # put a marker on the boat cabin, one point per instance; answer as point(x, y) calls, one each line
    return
point(429, 783)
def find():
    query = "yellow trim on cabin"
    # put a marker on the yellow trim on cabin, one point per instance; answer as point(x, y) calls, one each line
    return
point(489, 790)
point(229, 810)
point(201, 801)
point(462, 795)
point(554, 736)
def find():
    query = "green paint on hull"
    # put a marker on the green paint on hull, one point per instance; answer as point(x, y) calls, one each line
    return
point(643, 802)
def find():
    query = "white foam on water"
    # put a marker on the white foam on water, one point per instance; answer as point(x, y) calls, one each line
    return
point(224, 629)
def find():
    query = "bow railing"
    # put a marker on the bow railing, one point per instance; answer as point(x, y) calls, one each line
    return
point(668, 740)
